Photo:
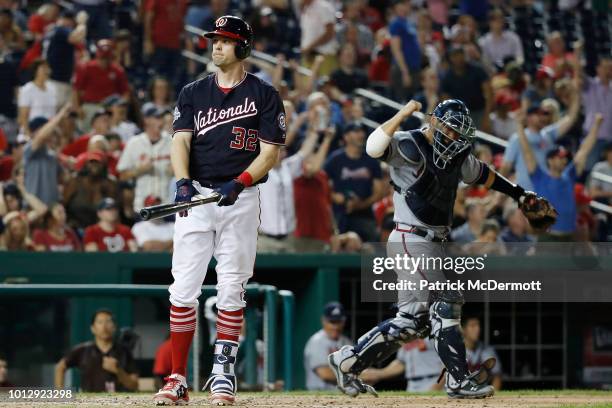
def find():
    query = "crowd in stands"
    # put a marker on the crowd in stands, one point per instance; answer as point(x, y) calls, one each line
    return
point(88, 90)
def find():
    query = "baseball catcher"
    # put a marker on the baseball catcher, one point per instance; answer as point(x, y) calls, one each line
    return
point(427, 165)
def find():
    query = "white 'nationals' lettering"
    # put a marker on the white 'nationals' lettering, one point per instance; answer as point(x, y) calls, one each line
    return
point(215, 117)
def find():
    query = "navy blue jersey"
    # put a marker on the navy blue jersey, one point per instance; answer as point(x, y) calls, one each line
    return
point(227, 128)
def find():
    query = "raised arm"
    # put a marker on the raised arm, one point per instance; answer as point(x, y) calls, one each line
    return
point(45, 132)
point(568, 120)
point(313, 163)
point(379, 139)
point(587, 144)
point(526, 150)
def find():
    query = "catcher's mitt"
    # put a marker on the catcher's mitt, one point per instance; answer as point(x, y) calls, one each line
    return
point(539, 211)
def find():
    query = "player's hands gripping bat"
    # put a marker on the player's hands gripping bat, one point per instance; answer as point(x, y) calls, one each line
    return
point(539, 211)
point(184, 193)
point(229, 192)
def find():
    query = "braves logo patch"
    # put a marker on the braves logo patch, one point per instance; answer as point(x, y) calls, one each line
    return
point(282, 123)
point(177, 113)
point(221, 22)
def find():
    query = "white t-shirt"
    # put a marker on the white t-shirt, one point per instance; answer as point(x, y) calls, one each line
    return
point(139, 148)
point(313, 19)
point(277, 205)
point(145, 231)
point(42, 102)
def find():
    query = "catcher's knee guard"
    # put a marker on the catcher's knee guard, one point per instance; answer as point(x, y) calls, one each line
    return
point(384, 340)
point(445, 316)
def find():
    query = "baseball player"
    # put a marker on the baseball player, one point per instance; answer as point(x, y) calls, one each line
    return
point(228, 129)
point(427, 165)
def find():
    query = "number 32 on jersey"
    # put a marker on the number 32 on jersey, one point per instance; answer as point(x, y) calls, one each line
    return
point(244, 139)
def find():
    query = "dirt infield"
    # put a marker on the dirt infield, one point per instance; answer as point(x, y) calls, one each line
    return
point(386, 400)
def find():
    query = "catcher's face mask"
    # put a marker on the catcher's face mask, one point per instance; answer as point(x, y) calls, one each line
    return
point(453, 133)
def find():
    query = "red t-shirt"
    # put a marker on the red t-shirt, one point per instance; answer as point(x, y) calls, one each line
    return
point(168, 22)
point(163, 359)
point(114, 241)
point(38, 24)
point(313, 207)
point(97, 83)
point(6, 167)
point(51, 243)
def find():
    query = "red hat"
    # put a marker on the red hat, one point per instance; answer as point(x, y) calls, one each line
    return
point(544, 72)
point(83, 158)
point(504, 98)
point(151, 200)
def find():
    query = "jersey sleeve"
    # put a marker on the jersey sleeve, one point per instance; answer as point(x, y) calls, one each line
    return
point(183, 112)
point(272, 122)
point(471, 169)
point(489, 352)
point(74, 356)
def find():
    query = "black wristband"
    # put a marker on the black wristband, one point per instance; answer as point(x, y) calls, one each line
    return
point(503, 185)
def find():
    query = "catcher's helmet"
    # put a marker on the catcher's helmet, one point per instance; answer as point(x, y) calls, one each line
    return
point(453, 115)
point(237, 29)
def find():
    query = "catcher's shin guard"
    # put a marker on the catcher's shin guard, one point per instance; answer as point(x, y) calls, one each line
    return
point(384, 340)
point(445, 315)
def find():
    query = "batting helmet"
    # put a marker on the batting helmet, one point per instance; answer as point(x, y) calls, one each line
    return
point(237, 29)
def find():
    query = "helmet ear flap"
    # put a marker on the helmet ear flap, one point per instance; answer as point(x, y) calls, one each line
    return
point(242, 50)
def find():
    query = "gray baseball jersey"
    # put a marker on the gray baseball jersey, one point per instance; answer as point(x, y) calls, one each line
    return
point(407, 169)
point(422, 366)
point(318, 347)
point(479, 354)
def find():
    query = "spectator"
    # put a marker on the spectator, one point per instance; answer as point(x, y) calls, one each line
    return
point(59, 49)
point(16, 236)
point(541, 88)
point(160, 95)
point(469, 82)
point(502, 120)
point(430, 94)
point(556, 181)
point(318, 26)
point(99, 22)
point(162, 366)
point(277, 207)
point(41, 166)
point(98, 79)
point(601, 190)
point(476, 215)
point(155, 235)
point(11, 36)
point(146, 159)
point(597, 98)
point(56, 235)
point(477, 353)
point(119, 122)
point(418, 361)
point(84, 192)
point(356, 182)
point(498, 45)
point(587, 225)
point(104, 365)
point(163, 29)
point(405, 51)
point(348, 77)
point(517, 227)
point(4, 379)
point(327, 340)
point(108, 235)
point(16, 198)
point(113, 153)
point(541, 137)
point(37, 98)
point(351, 29)
point(557, 58)
point(100, 125)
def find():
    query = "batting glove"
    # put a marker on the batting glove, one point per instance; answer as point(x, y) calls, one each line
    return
point(184, 192)
point(229, 192)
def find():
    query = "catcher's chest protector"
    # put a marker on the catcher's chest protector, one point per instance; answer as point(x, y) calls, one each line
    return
point(432, 196)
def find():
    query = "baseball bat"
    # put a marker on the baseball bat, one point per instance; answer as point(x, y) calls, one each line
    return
point(163, 210)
